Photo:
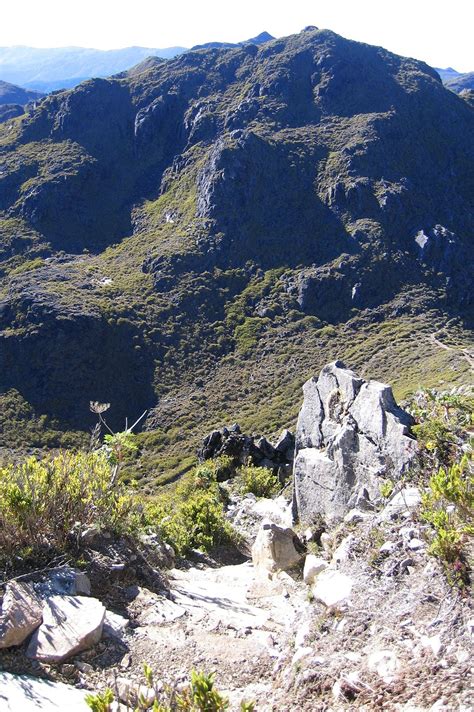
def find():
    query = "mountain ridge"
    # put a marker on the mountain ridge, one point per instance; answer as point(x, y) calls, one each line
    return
point(246, 209)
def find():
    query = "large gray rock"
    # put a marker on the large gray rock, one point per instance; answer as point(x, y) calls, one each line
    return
point(21, 613)
point(70, 624)
point(350, 434)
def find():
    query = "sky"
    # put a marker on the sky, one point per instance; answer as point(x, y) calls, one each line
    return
point(439, 33)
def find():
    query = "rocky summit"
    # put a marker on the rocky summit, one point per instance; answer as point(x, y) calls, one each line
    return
point(196, 236)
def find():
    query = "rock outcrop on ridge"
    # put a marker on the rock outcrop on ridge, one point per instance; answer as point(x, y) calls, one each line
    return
point(350, 435)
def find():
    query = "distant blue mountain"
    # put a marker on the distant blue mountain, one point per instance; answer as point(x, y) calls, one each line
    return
point(64, 67)
point(259, 39)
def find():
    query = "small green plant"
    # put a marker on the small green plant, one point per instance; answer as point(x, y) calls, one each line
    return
point(199, 696)
point(448, 506)
point(259, 480)
point(386, 489)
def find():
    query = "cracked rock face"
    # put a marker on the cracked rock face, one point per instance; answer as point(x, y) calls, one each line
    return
point(350, 434)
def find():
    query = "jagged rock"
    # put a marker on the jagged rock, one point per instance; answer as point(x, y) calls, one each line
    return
point(313, 565)
point(276, 548)
point(21, 613)
point(70, 624)
point(244, 449)
point(332, 587)
point(350, 432)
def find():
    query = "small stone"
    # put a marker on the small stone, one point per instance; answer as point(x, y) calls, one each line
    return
point(86, 668)
point(130, 692)
point(404, 502)
point(114, 625)
point(326, 542)
point(343, 551)
point(385, 663)
point(126, 661)
point(332, 587)
point(274, 549)
point(313, 565)
point(416, 544)
point(388, 547)
point(355, 516)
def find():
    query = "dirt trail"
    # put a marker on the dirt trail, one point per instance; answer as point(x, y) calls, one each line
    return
point(466, 354)
point(224, 619)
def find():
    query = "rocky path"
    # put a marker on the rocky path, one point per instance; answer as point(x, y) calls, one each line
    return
point(224, 619)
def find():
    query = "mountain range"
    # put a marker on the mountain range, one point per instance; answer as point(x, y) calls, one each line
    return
point(195, 236)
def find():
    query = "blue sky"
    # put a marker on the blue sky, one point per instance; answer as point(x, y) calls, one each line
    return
point(439, 33)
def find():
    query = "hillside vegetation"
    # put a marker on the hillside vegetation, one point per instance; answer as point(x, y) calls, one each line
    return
point(197, 236)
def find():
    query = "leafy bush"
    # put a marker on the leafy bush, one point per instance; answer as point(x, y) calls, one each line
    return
point(448, 506)
point(259, 480)
point(441, 428)
point(199, 696)
point(43, 501)
point(192, 515)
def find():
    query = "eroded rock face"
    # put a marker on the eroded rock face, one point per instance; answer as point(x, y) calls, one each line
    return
point(350, 434)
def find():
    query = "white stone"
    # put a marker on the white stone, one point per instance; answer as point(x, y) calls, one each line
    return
point(388, 547)
point(416, 544)
point(19, 693)
point(276, 510)
point(114, 625)
point(355, 516)
point(21, 613)
point(385, 663)
point(332, 587)
point(326, 542)
point(303, 634)
point(300, 654)
point(405, 501)
point(433, 643)
point(343, 551)
point(129, 692)
point(313, 565)
point(70, 624)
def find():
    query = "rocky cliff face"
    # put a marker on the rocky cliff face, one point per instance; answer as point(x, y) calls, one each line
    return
point(199, 205)
point(351, 436)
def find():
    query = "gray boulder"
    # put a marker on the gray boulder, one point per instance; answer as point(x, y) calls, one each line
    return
point(20, 615)
point(276, 549)
point(70, 624)
point(350, 434)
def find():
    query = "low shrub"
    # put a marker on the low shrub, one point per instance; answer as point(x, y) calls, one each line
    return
point(191, 516)
point(199, 696)
point(258, 480)
point(43, 501)
point(448, 505)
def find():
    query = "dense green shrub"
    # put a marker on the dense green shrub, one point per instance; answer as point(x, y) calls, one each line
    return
point(192, 515)
point(259, 480)
point(43, 501)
